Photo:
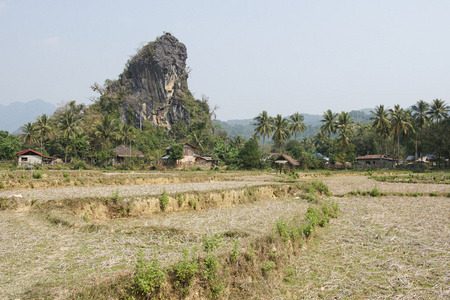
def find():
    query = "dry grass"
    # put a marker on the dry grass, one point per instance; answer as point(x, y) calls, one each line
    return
point(345, 184)
point(43, 195)
point(379, 248)
point(386, 247)
point(51, 261)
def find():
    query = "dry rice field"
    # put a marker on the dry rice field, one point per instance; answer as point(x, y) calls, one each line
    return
point(391, 247)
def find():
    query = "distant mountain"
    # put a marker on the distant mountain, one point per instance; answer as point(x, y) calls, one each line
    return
point(245, 127)
point(16, 114)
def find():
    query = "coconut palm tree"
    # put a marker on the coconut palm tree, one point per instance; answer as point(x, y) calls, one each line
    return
point(281, 129)
point(438, 110)
point(400, 123)
point(381, 123)
point(107, 129)
point(126, 134)
point(329, 125)
point(45, 128)
point(69, 125)
point(344, 128)
point(297, 124)
point(264, 126)
point(30, 133)
point(420, 116)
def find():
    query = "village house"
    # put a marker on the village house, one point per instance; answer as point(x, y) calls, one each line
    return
point(285, 162)
point(188, 155)
point(374, 161)
point(122, 152)
point(30, 157)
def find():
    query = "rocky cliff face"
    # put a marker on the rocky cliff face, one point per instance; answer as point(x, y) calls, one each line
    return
point(153, 83)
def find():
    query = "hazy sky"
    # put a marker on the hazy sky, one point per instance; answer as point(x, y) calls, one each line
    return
point(246, 56)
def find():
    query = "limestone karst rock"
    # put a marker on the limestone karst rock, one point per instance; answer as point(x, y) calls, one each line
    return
point(153, 85)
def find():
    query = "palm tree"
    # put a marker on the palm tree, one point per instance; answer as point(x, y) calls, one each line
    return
point(381, 123)
point(106, 129)
point(43, 125)
point(344, 128)
point(69, 125)
point(420, 118)
point(281, 131)
point(297, 124)
point(30, 133)
point(263, 125)
point(400, 123)
point(126, 134)
point(438, 110)
point(329, 125)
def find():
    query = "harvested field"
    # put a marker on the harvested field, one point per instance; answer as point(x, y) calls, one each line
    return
point(51, 261)
point(345, 184)
point(379, 248)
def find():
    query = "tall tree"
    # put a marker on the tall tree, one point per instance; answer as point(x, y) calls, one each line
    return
point(420, 116)
point(297, 124)
point(438, 110)
point(329, 125)
point(263, 125)
point(281, 130)
point(381, 124)
point(30, 133)
point(126, 134)
point(45, 128)
point(69, 125)
point(400, 123)
point(107, 129)
point(344, 128)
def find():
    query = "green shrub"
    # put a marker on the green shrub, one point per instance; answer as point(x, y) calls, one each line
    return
point(434, 194)
point(374, 192)
point(148, 277)
point(235, 252)
point(193, 203)
point(37, 175)
point(2, 184)
point(321, 187)
point(184, 272)
point(211, 267)
point(164, 200)
point(213, 242)
point(267, 267)
point(79, 165)
point(115, 195)
point(250, 254)
point(181, 199)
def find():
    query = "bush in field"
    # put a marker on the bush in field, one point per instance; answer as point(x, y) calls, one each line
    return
point(164, 200)
point(213, 242)
point(37, 175)
point(184, 272)
point(149, 276)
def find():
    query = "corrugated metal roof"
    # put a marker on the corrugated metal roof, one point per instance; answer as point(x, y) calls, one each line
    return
point(373, 156)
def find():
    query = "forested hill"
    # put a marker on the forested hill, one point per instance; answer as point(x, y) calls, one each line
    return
point(245, 128)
